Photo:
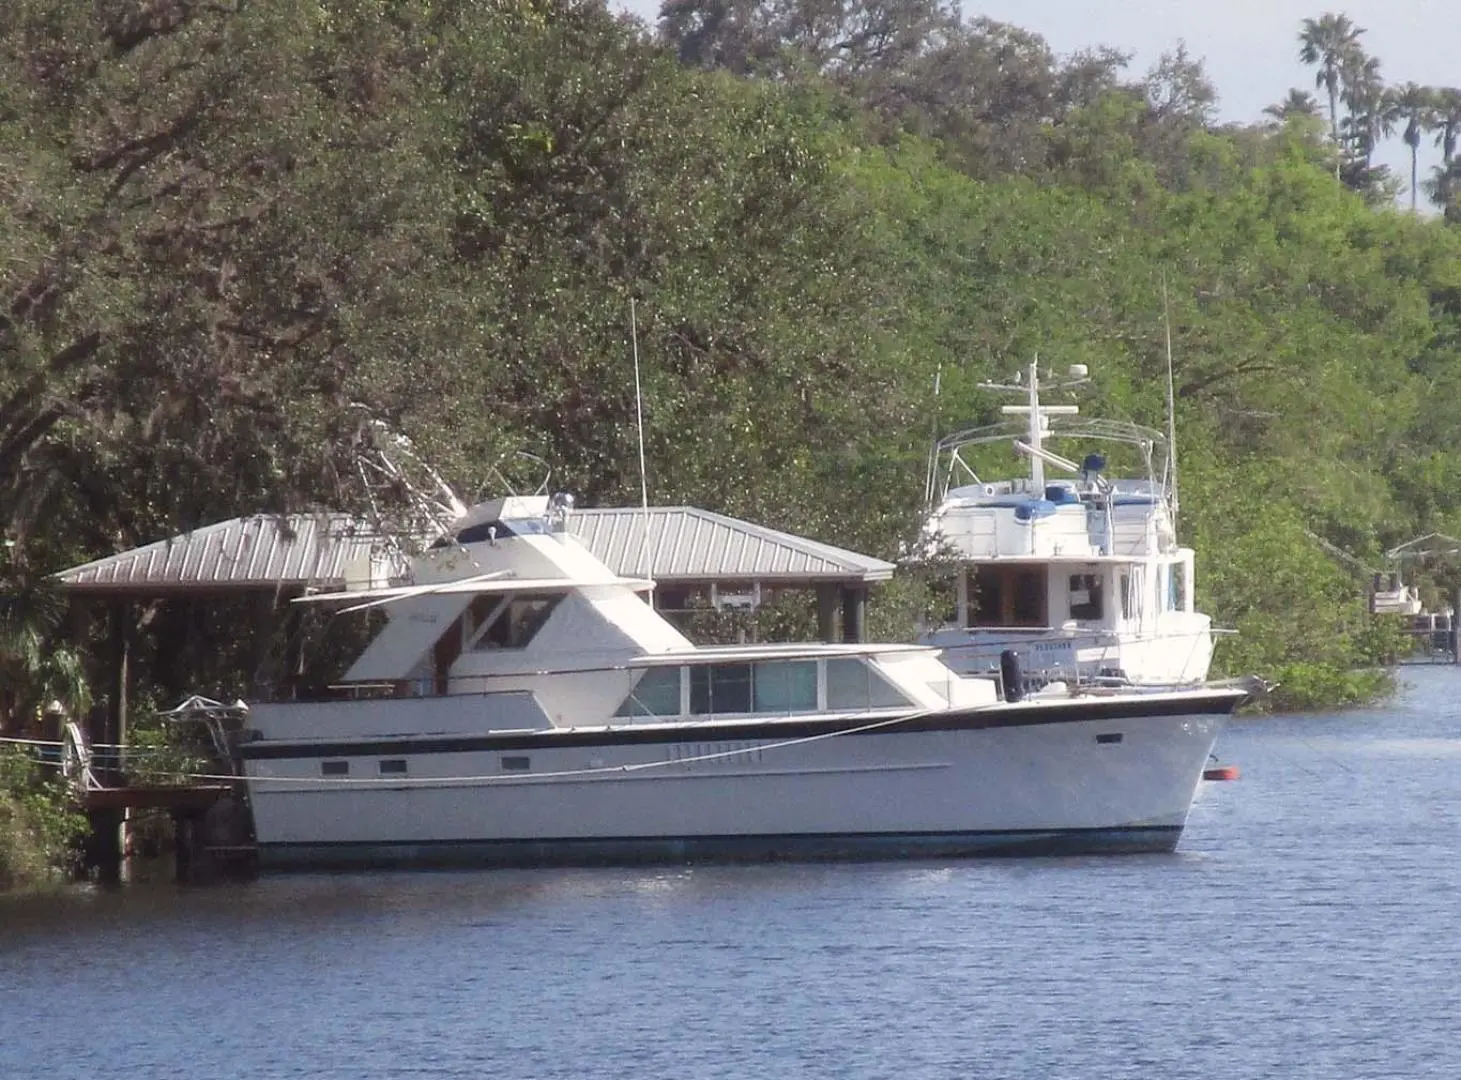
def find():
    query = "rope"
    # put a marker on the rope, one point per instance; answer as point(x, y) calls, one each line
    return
point(30, 742)
point(644, 766)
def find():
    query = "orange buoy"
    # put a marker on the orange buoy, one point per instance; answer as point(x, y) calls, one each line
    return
point(1221, 772)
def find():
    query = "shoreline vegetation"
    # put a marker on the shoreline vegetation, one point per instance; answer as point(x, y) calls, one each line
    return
point(240, 241)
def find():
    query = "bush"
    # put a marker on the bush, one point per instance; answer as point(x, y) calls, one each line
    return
point(39, 825)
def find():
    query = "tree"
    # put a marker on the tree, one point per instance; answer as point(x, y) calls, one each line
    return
point(1329, 42)
point(1444, 189)
point(1415, 106)
point(1178, 88)
point(1297, 103)
point(1447, 121)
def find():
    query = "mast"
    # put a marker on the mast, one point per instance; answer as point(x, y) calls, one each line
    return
point(1171, 409)
point(1039, 418)
point(639, 423)
point(1037, 428)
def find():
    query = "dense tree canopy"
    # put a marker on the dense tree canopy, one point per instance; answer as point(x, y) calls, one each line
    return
point(234, 234)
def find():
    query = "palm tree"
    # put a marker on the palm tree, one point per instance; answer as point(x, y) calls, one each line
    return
point(1444, 189)
point(1298, 103)
point(34, 668)
point(1364, 95)
point(1414, 105)
point(1329, 41)
point(1448, 121)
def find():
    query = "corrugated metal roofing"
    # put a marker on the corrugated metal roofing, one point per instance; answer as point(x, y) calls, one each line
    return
point(263, 551)
point(687, 544)
point(267, 551)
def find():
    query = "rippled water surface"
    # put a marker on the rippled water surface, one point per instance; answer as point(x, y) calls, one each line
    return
point(1310, 926)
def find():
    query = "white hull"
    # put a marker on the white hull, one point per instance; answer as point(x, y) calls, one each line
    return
point(1031, 777)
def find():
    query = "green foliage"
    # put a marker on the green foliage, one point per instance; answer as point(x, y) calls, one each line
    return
point(233, 235)
point(39, 826)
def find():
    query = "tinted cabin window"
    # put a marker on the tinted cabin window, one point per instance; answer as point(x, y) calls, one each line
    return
point(1086, 601)
point(486, 530)
point(1176, 586)
point(334, 768)
point(657, 693)
point(720, 688)
point(856, 684)
point(518, 622)
point(785, 686)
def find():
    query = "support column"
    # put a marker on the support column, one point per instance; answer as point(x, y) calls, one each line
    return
point(827, 612)
point(293, 674)
point(1456, 627)
point(854, 613)
point(114, 731)
point(261, 640)
point(103, 851)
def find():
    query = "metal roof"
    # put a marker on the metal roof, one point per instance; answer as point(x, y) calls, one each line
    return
point(289, 552)
point(691, 545)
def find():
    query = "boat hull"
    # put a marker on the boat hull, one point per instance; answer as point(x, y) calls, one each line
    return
point(1019, 780)
point(631, 851)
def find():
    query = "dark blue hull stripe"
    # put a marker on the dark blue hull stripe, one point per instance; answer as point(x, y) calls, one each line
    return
point(1081, 710)
point(622, 851)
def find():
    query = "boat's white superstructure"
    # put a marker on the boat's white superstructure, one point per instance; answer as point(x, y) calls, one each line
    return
point(1082, 574)
point(523, 704)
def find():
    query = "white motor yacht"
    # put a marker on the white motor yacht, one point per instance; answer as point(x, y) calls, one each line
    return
point(523, 705)
point(1078, 571)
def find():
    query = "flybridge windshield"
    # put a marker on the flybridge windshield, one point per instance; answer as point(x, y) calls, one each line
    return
point(494, 530)
point(499, 530)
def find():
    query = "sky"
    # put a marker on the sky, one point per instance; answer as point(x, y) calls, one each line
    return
point(1249, 47)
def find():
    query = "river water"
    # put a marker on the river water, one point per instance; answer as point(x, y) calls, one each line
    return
point(1309, 926)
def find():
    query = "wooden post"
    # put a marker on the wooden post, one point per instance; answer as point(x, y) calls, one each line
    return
point(1456, 627)
point(827, 612)
point(293, 653)
point(118, 676)
point(104, 847)
point(854, 613)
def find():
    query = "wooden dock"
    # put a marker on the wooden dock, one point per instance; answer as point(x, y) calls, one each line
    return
point(209, 820)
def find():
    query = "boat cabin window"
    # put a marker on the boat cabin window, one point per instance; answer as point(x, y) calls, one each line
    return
point(785, 686)
point(515, 622)
point(1086, 599)
point(720, 688)
point(1176, 586)
point(771, 686)
point(1126, 604)
point(855, 684)
point(499, 530)
point(657, 693)
point(1008, 596)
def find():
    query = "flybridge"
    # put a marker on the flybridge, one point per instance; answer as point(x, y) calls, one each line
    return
point(951, 473)
point(1067, 562)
